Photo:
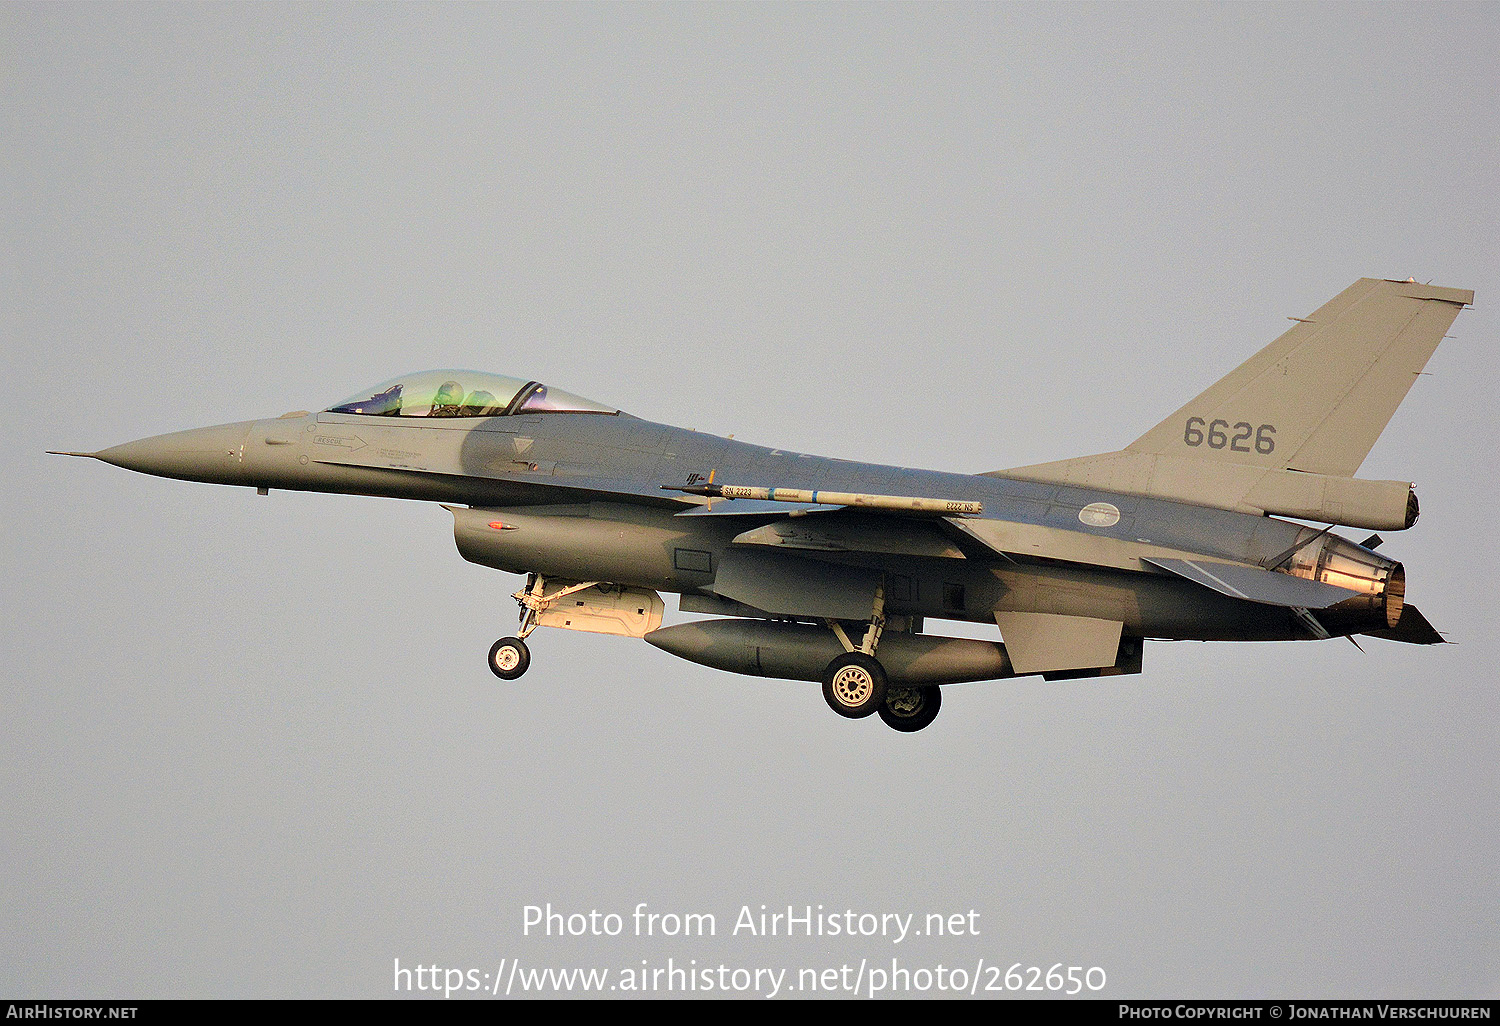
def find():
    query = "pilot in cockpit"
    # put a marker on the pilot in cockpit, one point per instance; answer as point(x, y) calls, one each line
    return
point(481, 404)
point(449, 400)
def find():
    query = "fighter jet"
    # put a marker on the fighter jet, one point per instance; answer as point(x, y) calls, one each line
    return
point(833, 571)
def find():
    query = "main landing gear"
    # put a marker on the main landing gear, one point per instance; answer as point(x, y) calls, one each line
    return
point(855, 684)
point(911, 707)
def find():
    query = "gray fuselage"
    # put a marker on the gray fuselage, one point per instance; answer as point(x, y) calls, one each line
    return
point(586, 497)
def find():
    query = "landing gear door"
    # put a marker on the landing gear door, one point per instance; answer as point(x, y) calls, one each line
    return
point(606, 609)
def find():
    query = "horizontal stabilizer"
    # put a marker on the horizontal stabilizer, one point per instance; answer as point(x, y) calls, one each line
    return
point(1413, 629)
point(1254, 584)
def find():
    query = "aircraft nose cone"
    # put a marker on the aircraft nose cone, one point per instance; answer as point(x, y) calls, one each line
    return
point(202, 454)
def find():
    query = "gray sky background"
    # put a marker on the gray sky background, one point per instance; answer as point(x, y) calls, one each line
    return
point(250, 744)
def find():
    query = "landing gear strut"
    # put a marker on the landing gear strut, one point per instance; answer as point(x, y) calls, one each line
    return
point(855, 684)
point(509, 657)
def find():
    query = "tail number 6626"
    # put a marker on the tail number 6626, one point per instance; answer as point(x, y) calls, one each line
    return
point(1220, 434)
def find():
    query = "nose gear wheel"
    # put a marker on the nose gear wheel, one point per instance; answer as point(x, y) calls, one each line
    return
point(509, 658)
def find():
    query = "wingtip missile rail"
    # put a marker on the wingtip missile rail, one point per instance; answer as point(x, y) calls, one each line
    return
point(911, 503)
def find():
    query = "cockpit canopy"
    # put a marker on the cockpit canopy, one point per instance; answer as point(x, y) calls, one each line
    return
point(462, 393)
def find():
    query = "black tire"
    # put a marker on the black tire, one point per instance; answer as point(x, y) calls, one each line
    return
point(854, 685)
point(509, 658)
point(910, 707)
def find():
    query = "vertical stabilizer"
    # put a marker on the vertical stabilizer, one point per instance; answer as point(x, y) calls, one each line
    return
point(1317, 398)
point(1285, 431)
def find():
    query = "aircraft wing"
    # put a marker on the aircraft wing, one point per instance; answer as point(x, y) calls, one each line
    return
point(850, 530)
point(792, 585)
point(783, 566)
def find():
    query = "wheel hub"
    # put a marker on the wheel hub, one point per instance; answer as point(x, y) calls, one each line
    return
point(852, 685)
point(903, 701)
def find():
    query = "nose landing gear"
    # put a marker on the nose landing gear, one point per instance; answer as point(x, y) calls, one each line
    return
point(509, 657)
